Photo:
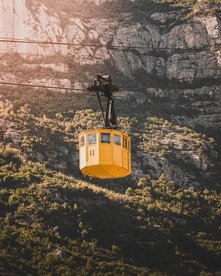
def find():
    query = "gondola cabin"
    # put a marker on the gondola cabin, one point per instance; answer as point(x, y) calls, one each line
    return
point(105, 153)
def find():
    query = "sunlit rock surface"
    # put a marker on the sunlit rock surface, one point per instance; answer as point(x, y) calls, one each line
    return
point(164, 64)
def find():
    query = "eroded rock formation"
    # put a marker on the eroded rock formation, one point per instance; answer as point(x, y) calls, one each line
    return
point(172, 64)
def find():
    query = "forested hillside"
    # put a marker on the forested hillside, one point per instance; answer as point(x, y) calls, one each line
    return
point(164, 219)
point(53, 219)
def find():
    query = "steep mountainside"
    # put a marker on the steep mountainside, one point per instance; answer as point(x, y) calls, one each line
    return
point(166, 58)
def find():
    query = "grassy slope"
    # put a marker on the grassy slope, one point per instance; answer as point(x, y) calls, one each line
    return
point(52, 222)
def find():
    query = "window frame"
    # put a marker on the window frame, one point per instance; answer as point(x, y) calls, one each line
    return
point(95, 140)
point(125, 145)
point(128, 145)
point(108, 134)
point(120, 136)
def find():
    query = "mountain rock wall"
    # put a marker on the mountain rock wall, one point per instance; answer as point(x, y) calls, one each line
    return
point(166, 65)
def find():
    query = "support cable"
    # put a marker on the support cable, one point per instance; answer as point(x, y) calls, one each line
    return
point(42, 86)
point(110, 47)
point(101, 107)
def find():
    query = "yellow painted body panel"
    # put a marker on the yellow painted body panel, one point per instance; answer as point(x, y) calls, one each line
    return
point(105, 153)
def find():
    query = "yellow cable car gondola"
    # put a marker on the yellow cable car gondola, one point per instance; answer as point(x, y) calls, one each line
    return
point(105, 152)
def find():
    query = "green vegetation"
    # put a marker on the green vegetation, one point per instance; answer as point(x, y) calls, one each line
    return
point(47, 223)
point(53, 222)
point(164, 139)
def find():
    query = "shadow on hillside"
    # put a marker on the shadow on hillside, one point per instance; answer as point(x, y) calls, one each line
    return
point(196, 253)
point(111, 222)
point(139, 234)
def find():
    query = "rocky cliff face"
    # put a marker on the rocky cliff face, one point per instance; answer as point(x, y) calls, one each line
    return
point(165, 64)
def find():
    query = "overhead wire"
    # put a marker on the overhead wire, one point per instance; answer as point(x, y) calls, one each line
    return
point(120, 47)
point(28, 41)
point(43, 57)
point(43, 86)
point(69, 89)
point(52, 87)
point(110, 47)
point(132, 89)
